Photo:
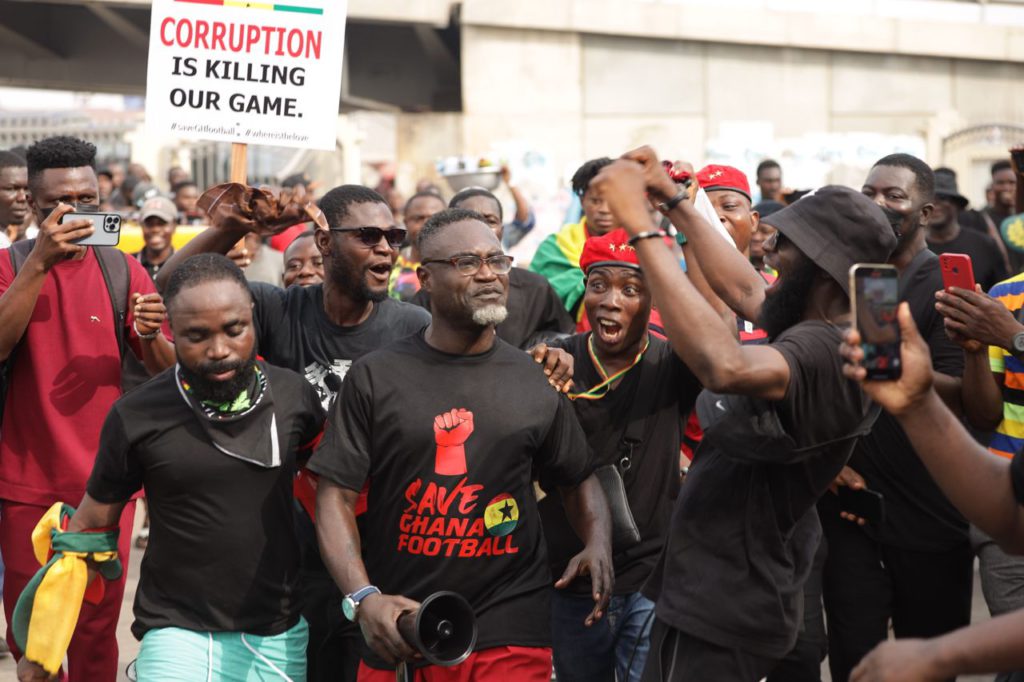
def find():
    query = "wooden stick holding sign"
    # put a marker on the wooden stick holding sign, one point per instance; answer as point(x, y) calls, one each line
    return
point(239, 173)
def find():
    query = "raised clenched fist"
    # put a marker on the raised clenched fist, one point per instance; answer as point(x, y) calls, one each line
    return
point(451, 431)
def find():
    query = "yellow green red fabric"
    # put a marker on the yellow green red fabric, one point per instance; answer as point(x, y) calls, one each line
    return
point(47, 610)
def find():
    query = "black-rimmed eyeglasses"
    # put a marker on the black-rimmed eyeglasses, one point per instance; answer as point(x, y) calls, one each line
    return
point(469, 265)
point(371, 236)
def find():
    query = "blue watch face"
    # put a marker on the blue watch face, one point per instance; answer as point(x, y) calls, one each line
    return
point(348, 607)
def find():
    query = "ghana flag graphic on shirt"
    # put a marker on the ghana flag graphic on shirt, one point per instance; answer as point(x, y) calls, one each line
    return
point(501, 515)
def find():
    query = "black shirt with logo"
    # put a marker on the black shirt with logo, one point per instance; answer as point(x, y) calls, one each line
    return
point(744, 529)
point(293, 331)
point(534, 310)
point(652, 477)
point(222, 554)
point(918, 516)
point(448, 445)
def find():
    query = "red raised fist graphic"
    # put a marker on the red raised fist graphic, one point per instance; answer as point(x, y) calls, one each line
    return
point(451, 430)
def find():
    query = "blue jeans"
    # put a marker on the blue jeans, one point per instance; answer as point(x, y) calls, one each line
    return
point(615, 647)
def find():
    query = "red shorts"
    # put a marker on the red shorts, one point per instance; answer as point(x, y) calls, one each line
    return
point(500, 664)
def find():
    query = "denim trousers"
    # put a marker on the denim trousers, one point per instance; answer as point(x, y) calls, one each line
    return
point(614, 647)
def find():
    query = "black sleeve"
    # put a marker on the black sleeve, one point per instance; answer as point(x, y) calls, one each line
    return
point(555, 317)
point(313, 427)
point(422, 299)
point(947, 357)
point(344, 455)
point(564, 458)
point(1017, 476)
point(816, 379)
point(268, 309)
point(116, 473)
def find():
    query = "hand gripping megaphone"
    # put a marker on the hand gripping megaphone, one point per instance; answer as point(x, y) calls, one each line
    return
point(443, 629)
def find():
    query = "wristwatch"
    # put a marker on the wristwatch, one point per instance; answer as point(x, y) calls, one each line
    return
point(350, 604)
point(1017, 344)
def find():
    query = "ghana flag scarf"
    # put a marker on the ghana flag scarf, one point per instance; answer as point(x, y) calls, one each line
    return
point(558, 260)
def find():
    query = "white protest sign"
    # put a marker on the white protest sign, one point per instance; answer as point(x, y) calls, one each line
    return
point(248, 72)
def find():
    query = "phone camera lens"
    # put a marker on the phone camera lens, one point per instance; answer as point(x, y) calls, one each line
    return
point(110, 224)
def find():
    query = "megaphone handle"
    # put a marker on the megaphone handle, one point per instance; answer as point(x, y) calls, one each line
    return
point(402, 672)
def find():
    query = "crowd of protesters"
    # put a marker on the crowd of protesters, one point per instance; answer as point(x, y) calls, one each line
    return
point(626, 457)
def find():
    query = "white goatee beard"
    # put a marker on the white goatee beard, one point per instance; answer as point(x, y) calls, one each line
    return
point(490, 314)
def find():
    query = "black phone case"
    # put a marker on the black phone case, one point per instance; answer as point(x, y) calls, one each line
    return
point(867, 504)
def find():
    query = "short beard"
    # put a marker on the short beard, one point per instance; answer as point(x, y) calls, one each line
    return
point(493, 314)
point(785, 307)
point(219, 391)
point(352, 280)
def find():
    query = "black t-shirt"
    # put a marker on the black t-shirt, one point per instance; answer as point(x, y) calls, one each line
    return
point(918, 516)
point(533, 307)
point(652, 479)
point(294, 332)
point(222, 552)
point(473, 528)
point(986, 259)
point(744, 530)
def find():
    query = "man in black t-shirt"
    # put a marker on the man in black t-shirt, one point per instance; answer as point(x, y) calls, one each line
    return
point(535, 313)
point(319, 331)
point(729, 584)
point(946, 235)
point(215, 441)
point(915, 569)
point(445, 429)
point(633, 395)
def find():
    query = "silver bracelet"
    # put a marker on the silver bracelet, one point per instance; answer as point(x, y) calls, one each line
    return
point(144, 337)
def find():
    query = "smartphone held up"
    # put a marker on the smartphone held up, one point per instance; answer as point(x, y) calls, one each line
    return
point(957, 271)
point(874, 300)
point(106, 228)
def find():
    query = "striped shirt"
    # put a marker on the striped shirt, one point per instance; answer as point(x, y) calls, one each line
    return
point(1009, 435)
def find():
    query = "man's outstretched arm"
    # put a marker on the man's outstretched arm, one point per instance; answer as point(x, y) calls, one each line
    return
point(978, 483)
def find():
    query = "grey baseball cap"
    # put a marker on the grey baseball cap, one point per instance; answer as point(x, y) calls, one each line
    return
point(836, 227)
point(161, 207)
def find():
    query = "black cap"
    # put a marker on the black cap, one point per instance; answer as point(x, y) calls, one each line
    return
point(945, 186)
point(836, 227)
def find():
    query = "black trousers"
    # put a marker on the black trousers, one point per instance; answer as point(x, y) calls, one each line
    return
point(803, 662)
point(867, 584)
point(678, 657)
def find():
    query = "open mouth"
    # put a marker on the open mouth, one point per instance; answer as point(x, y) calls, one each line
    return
point(381, 271)
point(609, 331)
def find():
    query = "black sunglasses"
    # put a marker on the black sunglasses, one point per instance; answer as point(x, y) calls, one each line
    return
point(371, 236)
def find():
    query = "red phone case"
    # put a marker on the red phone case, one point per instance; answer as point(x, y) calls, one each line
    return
point(957, 271)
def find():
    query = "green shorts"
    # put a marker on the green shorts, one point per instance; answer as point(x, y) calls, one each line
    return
point(178, 655)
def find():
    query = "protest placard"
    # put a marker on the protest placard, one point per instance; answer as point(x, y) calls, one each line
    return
point(246, 72)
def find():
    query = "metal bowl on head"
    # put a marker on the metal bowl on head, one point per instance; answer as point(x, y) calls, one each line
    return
point(488, 178)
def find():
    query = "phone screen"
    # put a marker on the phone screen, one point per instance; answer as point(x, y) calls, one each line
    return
point(877, 292)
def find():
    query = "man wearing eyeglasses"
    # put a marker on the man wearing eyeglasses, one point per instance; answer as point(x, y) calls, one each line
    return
point(444, 429)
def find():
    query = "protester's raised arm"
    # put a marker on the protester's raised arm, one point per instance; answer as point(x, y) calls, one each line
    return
point(977, 482)
point(54, 244)
point(698, 334)
point(728, 272)
point(217, 238)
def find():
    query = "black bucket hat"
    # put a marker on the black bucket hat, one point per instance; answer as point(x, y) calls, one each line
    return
point(945, 186)
point(836, 227)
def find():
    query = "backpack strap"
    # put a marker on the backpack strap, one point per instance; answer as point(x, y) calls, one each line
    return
point(19, 252)
point(114, 266)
